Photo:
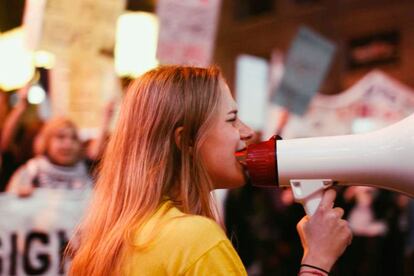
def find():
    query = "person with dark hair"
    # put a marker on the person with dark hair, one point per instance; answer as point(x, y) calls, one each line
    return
point(16, 137)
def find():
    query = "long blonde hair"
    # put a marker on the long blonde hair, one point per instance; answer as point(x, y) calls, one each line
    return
point(142, 162)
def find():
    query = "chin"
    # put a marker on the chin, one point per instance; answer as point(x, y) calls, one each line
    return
point(231, 184)
point(65, 162)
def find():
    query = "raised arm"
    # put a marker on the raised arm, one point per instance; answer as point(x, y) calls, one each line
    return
point(13, 119)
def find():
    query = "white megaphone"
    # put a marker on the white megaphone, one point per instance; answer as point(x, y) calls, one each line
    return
point(383, 159)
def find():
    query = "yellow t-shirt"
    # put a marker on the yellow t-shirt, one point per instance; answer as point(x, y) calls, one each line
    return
point(183, 245)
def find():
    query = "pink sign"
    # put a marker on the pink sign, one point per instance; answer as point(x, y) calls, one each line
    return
point(187, 31)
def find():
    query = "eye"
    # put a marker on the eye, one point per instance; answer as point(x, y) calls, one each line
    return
point(233, 119)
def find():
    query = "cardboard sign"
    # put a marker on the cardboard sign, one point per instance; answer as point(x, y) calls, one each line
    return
point(307, 62)
point(81, 34)
point(187, 31)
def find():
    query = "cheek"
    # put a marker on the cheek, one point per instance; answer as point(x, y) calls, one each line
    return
point(219, 149)
point(221, 163)
point(52, 147)
point(76, 146)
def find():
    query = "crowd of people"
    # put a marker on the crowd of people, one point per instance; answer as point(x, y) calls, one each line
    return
point(262, 224)
point(47, 154)
point(173, 144)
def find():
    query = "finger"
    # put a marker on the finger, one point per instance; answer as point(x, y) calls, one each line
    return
point(339, 212)
point(351, 236)
point(299, 227)
point(302, 222)
point(327, 199)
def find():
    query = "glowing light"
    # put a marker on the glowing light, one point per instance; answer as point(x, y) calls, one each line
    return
point(136, 43)
point(16, 62)
point(36, 94)
point(44, 59)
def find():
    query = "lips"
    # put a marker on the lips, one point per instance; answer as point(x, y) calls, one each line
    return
point(241, 156)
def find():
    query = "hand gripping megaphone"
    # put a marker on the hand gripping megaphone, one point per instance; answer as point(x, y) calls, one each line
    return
point(382, 159)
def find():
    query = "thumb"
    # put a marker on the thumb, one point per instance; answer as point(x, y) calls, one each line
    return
point(300, 228)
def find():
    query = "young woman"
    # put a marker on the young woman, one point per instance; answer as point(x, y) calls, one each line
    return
point(57, 162)
point(152, 212)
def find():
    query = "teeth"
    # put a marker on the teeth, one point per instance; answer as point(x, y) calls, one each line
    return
point(241, 156)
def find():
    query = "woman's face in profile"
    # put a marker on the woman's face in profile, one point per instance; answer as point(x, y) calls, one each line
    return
point(64, 146)
point(227, 135)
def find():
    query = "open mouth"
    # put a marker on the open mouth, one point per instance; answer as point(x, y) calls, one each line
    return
point(241, 156)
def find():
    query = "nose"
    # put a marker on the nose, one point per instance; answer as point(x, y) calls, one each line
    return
point(246, 133)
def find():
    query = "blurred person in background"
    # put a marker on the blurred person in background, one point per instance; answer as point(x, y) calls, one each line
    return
point(379, 221)
point(409, 243)
point(262, 225)
point(17, 136)
point(175, 142)
point(58, 161)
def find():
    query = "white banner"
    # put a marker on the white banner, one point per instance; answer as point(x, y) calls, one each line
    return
point(377, 100)
point(34, 231)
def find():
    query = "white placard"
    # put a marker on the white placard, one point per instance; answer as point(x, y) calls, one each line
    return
point(35, 230)
point(82, 35)
point(377, 100)
point(252, 90)
point(32, 22)
point(187, 31)
point(307, 62)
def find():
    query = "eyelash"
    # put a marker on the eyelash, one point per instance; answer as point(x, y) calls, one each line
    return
point(232, 120)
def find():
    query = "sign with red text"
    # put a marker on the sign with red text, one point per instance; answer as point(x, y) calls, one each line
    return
point(376, 101)
point(187, 31)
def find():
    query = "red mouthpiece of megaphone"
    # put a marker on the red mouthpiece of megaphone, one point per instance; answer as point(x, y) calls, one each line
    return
point(260, 162)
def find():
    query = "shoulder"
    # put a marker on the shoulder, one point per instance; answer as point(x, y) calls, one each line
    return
point(193, 228)
point(208, 250)
point(187, 232)
point(221, 259)
point(180, 244)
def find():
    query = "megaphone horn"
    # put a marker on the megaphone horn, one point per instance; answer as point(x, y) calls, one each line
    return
point(382, 159)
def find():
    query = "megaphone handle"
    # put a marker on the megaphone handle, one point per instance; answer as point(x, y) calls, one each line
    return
point(309, 192)
point(311, 204)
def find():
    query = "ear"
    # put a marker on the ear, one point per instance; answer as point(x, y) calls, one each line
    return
point(177, 136)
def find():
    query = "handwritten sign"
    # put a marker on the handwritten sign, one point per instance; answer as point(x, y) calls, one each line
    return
point(187, 31)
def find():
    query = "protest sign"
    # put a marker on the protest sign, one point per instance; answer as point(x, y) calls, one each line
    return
point(35, 230)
